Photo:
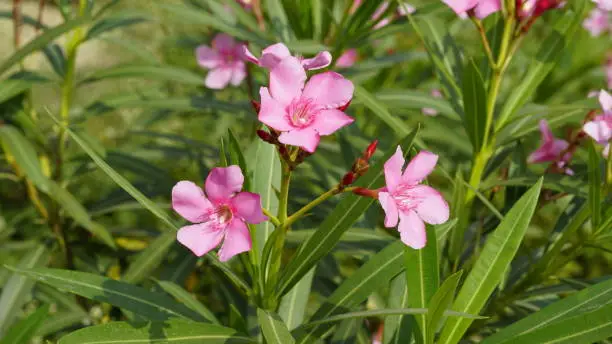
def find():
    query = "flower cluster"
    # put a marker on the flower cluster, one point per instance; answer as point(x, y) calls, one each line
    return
point(598, 21)
point(297, 110)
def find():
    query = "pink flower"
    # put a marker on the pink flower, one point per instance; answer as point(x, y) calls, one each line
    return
point(482, 8)
point(224, 60)
point(304, 113)
point(274, 54)
point(605, 5)
point(429, 111)
point(597, 22)
point(347, 59)
point(600, 129)
point(245, 3)
point(220, 215)
point(405, 200)
point(535, 8)
point(550, 149)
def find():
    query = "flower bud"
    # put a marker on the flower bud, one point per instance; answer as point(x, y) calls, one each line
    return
point(370, 150)
point(256, 106)
point(366, 192)
point(266, 137)
point(348, 179)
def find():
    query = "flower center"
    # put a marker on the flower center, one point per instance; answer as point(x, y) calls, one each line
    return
point(302, 112)
point(222, 215)
point(405, 198)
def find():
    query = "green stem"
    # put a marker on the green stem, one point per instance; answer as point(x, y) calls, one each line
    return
point(283, 200)
point(305, 209)
point(485, 41)
point(271, 217)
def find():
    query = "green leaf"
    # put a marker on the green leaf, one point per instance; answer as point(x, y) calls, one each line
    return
point(237, 158)
point(577, 304)
point(17, 288)
point(121, 181)
point(278, 19)
point(116, 21)
point(410, 99)
point(346, 213)
point(490, 268)
point(595, 186)
point(245, 17)
point(24, 330)
point(150, 258)
point(154, 72)
point(422, 278)
point(547, 57)
point(376, 272)
point(440, 301)
point(293, 305)
point(188, 300)
point(41, 41)
point(25, 155)
point(457, 239)
point(266, 178)
point(398, 329)
point(474, 105)
point(274, 329)
point(381, 111)
point(17, 84)
point(150, 305)
point(59, 321)
point(173, 331)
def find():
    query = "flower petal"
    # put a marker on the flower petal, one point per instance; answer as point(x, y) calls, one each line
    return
point(487, 7)
point(223, 182)
point(393, 169)
point(388, 204)
point(238, 73)
point(432, 208)
point(306, 138)
point(461, 6)
point(248, 55)
point(419, 167)
point(328, 121)
point(412, 230)
point(547, 134)
point(321, 60)
point(329, 90)
point(605, 99)
point(218, 78)
point(347, 59)
point(189, 201)
point(599, 130)
point(273, 55)
point(223, 41)
point(207, 58)
point(287, 80)
point(200, 238)
point(237, 240)
point(272, 113)
point(248, 207)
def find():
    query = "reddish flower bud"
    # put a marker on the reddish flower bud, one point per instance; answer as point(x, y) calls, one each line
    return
point(266, 137)
point(348, 179)
point(366, 192)
point(345, 106)
point(256, 106)
point(370, 150)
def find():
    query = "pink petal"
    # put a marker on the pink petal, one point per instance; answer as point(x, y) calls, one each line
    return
point(388, 204)
point(605, 99)
point(604, 4)
point(461, 6)
point(487, 7)
point(542, 154)
point(223, 41)
point(393, 169)
point(347, 59)
point(248, 55)
point(547, 134)
point(558, 146)
point(321, 60)
point(420, 167)
point(248, 207)
point(432, 208)
point(190, 202)
point(329, 89)
point(272, 113)
point(223, 182)
point(207, 57)
point(273, 55)
point(306, 138)
point(200, 238)
point(237, 240)
point(328, 121)
point(412, 230)
point(218, 78)
point(238, 73)
point(599, 130)
point(287, 80)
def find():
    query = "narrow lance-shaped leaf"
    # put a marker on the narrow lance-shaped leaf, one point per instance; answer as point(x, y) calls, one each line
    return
point(398, 329)
point(594, 185)
point(188, 300)
point(439, 302)
point(293, 305)
point(24, 330)
point(150, 258)
point(499, 250)
point(274, 329)
point(474, 105)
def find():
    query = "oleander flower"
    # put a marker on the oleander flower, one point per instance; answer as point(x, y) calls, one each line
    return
point(600, 128)
point(597, 22)
point(550, 148)
point(481, 8)
point(301, 111)
point(605, 5)
point(347, 59)
point(220, 215)
point(408, 203)
point(224, 60)
point(272, 55)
